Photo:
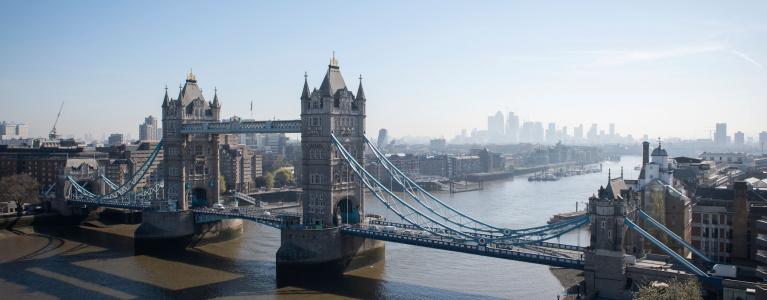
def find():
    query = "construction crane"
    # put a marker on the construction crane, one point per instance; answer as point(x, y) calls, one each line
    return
point(53, 134)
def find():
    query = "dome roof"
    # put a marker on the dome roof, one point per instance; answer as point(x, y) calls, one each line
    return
point(659, 152)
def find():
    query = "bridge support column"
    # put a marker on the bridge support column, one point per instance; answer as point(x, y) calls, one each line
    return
point(162, 232)
point(324, 252)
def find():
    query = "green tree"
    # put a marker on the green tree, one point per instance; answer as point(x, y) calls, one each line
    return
point(19, 188)
point(269, 180)
point(221, 184)
point(674, 290)
point(283, 177)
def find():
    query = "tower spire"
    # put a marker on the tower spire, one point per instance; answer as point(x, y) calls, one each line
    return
point(360, 91)
point(305, 92)
point(166, 99)
point(216, 103)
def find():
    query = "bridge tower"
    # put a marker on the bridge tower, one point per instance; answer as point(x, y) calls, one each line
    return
point(611, 243)
point(331, 195)
point(190, 167)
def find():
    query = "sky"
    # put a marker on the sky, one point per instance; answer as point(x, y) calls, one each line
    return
point(429, 68)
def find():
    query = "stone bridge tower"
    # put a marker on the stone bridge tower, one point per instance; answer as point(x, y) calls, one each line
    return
point(612, 243)
point(331, 193)
point(190, 167)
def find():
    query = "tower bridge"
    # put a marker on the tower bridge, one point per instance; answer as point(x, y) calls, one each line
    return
point(333, 230)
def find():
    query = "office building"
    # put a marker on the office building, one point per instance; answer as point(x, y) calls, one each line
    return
point(149, 130)
point(116, 139)
point(720, 135)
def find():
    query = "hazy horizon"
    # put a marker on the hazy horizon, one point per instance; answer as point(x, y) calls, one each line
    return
point(429, 68)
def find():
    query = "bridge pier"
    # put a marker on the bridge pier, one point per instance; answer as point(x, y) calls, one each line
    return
point(163, 232)
point(324, 252)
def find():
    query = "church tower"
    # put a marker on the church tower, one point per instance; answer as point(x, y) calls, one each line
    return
point(190, 168)
point(331, 194)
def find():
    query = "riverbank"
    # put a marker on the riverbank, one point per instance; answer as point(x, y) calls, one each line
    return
point(569, 279)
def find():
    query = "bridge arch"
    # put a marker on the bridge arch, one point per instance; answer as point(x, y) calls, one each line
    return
point(199, 196)
point(347, 211)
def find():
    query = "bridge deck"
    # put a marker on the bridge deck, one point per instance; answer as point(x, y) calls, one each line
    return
point(112, 204)
point(276, 219)
point(528, 253)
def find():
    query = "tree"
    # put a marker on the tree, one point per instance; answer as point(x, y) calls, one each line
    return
point(269, 180)
point(19, 188)
point(675, 290)
point(283, 176)
point(221, 185)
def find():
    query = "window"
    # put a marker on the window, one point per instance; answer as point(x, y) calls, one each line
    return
point(314, 121)
point(315, 179)
point(603, 224)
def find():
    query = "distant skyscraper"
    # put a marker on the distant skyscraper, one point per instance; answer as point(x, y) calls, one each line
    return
point(763, 140)
point(512, 128)
point(551, 133)
point(720, 135)
point(538, 133)
point(739, 138)
point(578, 133)
point(495, 126)
point(591, 136)
point(149, 130)
point(383, 138)
point(526, 132)
point(612, 129)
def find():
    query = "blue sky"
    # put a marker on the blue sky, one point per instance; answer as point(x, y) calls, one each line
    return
point(429, 67)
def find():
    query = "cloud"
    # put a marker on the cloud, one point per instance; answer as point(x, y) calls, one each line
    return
point(747, 58)
point(610, 58)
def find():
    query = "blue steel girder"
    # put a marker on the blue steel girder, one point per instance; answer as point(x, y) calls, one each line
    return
point(240, 126)
point(482, 250)
point(536, 243)
point(258, 215)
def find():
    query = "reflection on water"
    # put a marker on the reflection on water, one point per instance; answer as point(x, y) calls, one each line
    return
point(74, 265)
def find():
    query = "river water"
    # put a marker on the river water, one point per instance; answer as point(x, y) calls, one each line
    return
point(52, 266)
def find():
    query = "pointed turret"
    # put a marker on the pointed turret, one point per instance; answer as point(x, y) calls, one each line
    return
point(166, 99)
point(360, 91)
point(216, 103)
point(305, 92)
point(333, 80)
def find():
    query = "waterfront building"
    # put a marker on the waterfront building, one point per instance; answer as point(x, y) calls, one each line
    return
point(489, 161)
point(433, 165)
point(460, 165)
point(13, 131)
point(724, 222)
point(407, 163)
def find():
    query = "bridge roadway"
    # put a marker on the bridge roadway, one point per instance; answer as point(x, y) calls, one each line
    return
point(130, 204)
point(537, 254)
point(276, 219)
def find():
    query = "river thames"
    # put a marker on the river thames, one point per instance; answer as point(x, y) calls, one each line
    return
point(73, 265)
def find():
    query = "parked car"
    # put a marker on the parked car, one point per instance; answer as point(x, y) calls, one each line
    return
point(218, 206)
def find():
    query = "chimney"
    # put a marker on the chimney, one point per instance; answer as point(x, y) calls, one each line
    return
point(645, 152)
point(740, 221)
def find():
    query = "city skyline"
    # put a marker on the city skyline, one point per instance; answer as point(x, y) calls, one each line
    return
point(676, 69)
